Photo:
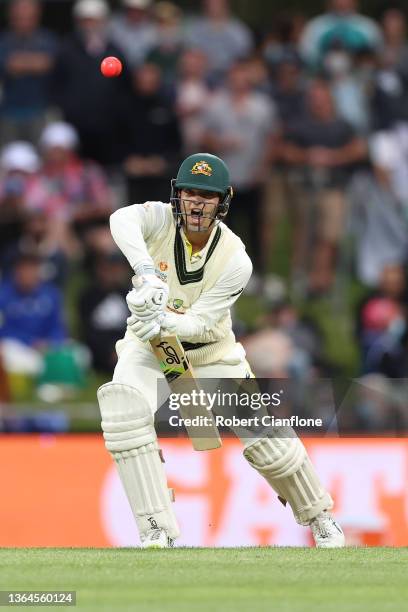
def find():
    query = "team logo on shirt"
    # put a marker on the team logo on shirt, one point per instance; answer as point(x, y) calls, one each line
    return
point(202, 167)
point(177, 304)
point(161, 270)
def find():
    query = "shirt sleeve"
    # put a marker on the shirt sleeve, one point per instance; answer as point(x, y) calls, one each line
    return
point(212, 305)
point(133, 225)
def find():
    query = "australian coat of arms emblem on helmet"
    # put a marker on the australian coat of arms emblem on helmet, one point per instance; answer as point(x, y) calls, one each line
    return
point(201, 167)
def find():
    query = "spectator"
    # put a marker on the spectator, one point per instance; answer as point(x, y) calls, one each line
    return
point(321, 149)
point(220, 36)
point(288, 88)
point(288, 93)
point(283, 39)
point(38, 236)
point(238, 125)
point(304, 334)
point(352, 79)
point(286, 345)
point(103, 310)
point(27, 54)
point(259, 74)
point(377, 224)
point(382, 337)
point(168, 48)
point(390, 92)
point(73, 193)
point(389, 153)
point(133, 31)
point(340, 24)
point(31, 313)
point(153, 141)
point(394, 27)
point(381, 324)
point(391, 285)
point(88, 100)
point(389, 99)
point(193, 96)
point(271, 353)
point(33, 342)
point(18, 164)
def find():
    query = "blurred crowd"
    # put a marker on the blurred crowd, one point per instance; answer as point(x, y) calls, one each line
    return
point(310, 114)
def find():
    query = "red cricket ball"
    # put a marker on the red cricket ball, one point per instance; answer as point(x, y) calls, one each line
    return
point(111, 67)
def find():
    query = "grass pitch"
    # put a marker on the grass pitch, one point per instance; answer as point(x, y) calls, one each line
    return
point(228, 580)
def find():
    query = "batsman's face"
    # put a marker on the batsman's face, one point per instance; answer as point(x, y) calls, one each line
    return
point(198, 208)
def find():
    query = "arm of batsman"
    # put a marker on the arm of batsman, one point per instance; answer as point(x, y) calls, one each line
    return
point(148, 298)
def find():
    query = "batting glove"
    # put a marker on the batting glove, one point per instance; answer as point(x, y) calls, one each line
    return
point(148, 298)
point(144, 330)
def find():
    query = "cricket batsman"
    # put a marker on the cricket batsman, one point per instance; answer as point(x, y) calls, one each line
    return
point(189, 270)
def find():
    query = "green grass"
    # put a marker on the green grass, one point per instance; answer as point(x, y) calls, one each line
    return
point(228, 580)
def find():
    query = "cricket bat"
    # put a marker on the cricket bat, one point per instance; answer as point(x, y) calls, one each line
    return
point(177, 369)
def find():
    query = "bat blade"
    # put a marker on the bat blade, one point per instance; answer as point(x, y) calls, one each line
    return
point(180, 376)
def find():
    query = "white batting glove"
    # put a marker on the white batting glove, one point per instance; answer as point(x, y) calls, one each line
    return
point(144, 330)
point(170, 323)
point(183, 325)
point(148, 298)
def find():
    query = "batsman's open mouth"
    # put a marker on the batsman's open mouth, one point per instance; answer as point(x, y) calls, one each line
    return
point(195, 216)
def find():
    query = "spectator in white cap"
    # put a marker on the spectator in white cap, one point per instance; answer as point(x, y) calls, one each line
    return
point(19, 161)
point(73, 193)
point(59, 135)
point(91, 9)
point(19, 156)
point(87, 99)
point(91, 20)
point(23, 231)
point(133, 31)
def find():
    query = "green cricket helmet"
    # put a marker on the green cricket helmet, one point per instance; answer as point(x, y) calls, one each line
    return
point(205, 172)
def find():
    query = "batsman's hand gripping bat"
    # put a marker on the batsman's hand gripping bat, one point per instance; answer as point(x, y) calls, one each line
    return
point(178, 371)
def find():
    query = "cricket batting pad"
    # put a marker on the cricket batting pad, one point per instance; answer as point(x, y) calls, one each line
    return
point(284, 463)
point(130, 437)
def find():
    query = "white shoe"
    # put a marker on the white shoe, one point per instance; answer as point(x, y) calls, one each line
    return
point(156, 538)
point(327, 532)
